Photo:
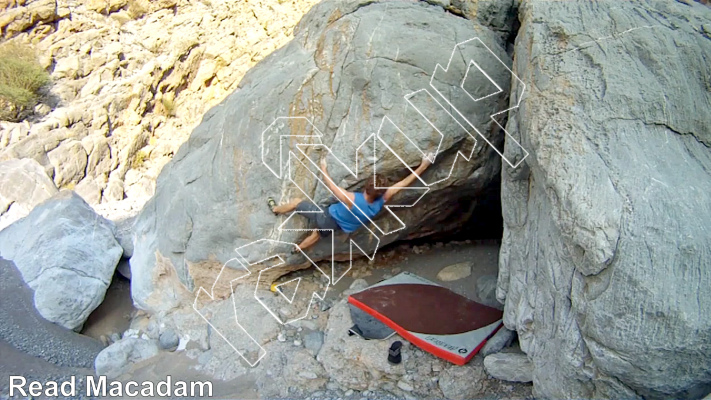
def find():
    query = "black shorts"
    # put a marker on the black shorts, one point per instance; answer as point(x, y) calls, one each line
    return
point(323, 220)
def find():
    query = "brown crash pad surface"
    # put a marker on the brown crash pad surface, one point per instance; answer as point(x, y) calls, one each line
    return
point(430, 316)
point(428, 308)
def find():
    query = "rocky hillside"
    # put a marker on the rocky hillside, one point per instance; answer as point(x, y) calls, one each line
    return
point(130, 81)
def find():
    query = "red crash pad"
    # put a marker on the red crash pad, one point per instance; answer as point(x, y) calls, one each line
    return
point(430, 316)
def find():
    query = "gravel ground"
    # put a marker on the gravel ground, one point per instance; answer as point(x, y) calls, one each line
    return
point(337, 394)
point(33, 347)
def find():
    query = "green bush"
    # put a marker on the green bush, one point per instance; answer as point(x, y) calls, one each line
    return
point(136, 9)
point(21, 78)
point(139, 159)
point(168, 106)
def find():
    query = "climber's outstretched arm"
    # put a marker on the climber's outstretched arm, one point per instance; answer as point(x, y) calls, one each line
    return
point(394, 189)
point(343, 195)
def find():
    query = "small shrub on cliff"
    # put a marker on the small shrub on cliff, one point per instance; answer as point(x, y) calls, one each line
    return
point(21, 78)
point(168, 106)
point(136, 9)
point(139, 159)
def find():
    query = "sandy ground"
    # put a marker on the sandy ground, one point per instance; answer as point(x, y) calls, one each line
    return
point(33, 347)
point(115, 312)
point(483, 256)
point(181, 368)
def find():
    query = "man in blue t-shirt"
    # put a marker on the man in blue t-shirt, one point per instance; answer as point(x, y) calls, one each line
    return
point(353, 209)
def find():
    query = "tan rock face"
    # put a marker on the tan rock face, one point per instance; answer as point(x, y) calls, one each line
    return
point(20, 15)
point(105, 6)
point(151, 68)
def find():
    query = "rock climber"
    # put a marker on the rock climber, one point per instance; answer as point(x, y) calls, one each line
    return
point(343, 215)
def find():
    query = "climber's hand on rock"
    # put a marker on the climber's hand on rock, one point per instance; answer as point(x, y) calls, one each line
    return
point(426, 160)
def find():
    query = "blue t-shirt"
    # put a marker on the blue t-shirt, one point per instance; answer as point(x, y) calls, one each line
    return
point(350, 223)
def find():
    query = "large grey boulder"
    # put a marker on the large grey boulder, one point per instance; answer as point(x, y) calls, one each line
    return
point(23, 185)
point(350, 64)
point(67, 254)
point(605, 255)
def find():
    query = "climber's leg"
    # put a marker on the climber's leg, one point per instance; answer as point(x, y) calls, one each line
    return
point(310, 240)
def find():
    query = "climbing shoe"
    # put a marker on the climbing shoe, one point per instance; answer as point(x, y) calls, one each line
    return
point(271, 203)
point(394, 356)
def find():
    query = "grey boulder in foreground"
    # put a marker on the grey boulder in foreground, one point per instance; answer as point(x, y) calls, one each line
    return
point(604, 265)
point(67, 254)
